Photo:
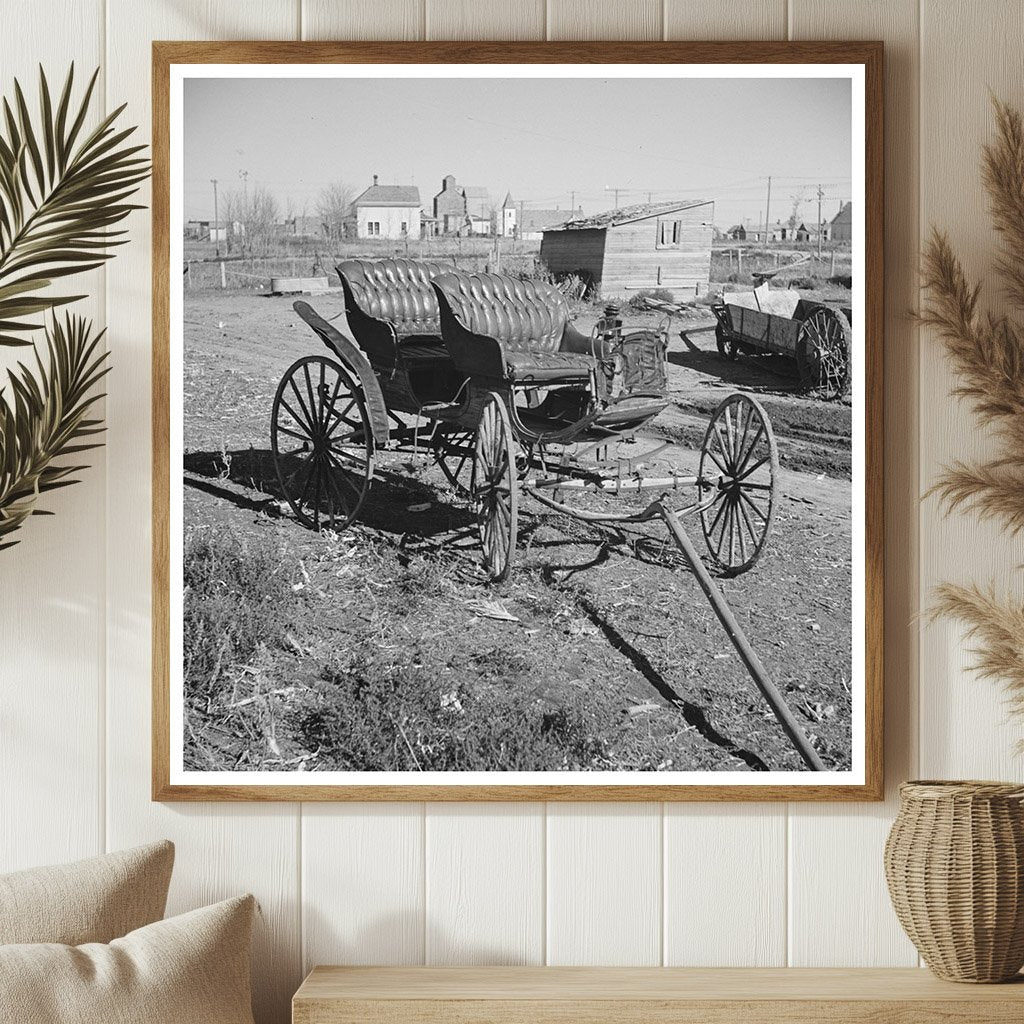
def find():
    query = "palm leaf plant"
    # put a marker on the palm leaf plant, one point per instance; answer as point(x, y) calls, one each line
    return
point(63, 190)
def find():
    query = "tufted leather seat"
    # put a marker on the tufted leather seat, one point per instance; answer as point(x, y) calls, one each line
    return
point(498, 326)
point(395, 290)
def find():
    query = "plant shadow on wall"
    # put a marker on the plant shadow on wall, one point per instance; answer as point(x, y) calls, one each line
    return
point(987, 354)
point(63, 189)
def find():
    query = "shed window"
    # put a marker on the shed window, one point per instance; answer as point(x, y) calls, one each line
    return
point(373, 227)
point(670, 234)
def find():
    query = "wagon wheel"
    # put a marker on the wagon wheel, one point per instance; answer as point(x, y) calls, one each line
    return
point(453, 452)
point(823, 352)
point(726, 343)
point(322, 442)
point(739, 466)
point(494, 487)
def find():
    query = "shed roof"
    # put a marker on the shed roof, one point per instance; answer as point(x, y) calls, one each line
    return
point(627, 214)
point(389, 195)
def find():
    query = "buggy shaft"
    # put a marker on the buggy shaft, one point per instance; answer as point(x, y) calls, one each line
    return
point(754, 665)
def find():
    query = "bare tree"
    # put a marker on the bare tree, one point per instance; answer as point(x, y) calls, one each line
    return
point(251, 219)
point(261, 221)
point(798, 199)
point(334, 207)
point(231, 204)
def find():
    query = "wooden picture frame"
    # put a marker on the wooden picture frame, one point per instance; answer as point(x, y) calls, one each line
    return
point(866, 55)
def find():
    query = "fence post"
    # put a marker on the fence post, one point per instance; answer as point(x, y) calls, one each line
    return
point(832, 264)
point(223, 276)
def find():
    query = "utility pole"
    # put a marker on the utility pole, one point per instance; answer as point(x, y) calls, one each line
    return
point(216, 218)
point(768, 210)
point(820, 195)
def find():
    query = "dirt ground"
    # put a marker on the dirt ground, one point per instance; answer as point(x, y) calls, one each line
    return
point(610, 622)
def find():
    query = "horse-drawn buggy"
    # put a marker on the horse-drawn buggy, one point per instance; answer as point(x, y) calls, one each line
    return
point(490, 372)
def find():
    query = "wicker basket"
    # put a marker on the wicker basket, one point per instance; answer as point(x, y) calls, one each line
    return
point(954, 862)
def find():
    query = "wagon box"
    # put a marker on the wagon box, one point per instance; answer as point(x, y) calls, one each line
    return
point(817, 336)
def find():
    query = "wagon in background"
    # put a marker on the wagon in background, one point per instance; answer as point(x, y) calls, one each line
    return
point(817, 336)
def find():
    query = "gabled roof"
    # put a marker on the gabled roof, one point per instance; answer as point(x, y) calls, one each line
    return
point(846, 210)
point(543, 220)
point(389, 195)
point(509, 203)
point(628, 214)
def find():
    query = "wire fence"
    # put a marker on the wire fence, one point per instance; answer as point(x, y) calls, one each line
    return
point(254, 273)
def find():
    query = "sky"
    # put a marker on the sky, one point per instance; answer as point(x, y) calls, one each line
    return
point(540, 139)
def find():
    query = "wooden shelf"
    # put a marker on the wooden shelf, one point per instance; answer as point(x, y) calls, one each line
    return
point(629, 995)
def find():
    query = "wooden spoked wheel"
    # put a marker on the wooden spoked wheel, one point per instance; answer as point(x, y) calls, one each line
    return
point(739, 469)
point(322, 442)
point(454, 450)
point(494, 487)
point(823, 353)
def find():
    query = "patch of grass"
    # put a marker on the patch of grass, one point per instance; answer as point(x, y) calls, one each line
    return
point(238, 600)
point(370, 716)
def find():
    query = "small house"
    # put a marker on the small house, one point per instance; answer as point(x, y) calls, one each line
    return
point(842, 224)
point(662, 245)
point(388, 211)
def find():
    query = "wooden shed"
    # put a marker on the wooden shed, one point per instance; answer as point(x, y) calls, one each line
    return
point(663, 245)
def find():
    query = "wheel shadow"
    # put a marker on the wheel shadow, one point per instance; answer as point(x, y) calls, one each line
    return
point(772, 373)
point(248, 479)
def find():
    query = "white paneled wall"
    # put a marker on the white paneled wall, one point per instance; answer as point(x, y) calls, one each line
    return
point(745, 884)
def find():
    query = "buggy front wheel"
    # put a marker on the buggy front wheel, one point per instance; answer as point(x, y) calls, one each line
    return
point(322, 442)
point(495, 487)
point(738, 483)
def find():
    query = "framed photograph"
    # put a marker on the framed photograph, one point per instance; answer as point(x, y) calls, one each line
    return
point(517, 420)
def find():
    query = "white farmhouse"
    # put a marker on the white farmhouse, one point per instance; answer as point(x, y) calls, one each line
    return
point(388, 211)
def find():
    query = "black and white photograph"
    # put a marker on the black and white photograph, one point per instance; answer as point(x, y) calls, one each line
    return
point(518, 425)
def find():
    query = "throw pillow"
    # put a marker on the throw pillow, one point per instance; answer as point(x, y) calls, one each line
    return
point(190, 969)
point(92, 900)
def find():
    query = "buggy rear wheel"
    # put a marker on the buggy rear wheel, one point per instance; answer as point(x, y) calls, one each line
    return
point(823, 352)
point(739, 469)
point(495, 487)
point(322, 442)
point(453, 451)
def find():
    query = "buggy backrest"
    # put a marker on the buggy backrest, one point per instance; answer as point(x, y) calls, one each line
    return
point(397, 291)
point(524, 316)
